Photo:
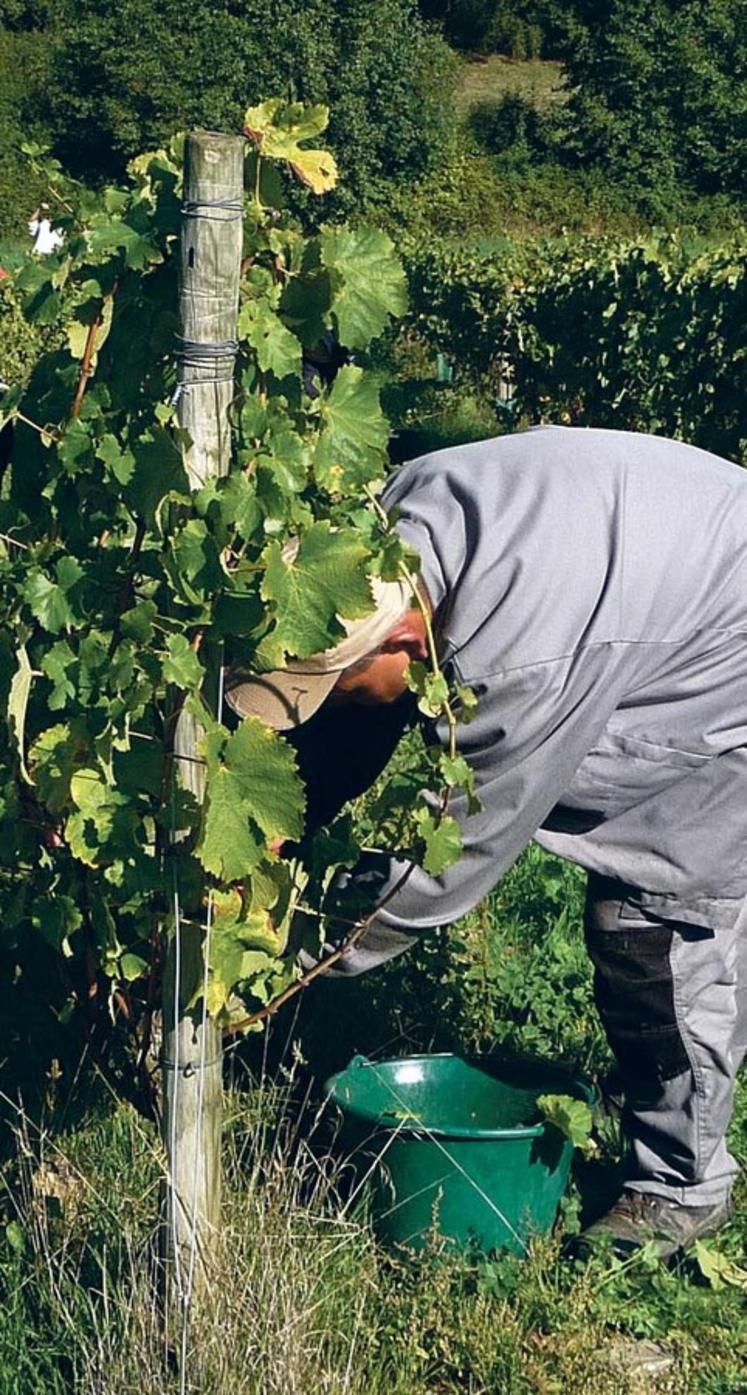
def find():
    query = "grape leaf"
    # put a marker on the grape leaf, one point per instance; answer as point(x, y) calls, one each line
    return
point(53, 759)
point(443, 841)
point(455, 770)
point(325, 579)
point(137, 623)
point(228, 846)
point(49, 600)
point(264, 766)
point(132, 966)
point(278, 351)
point(467, 703)
point(158, 471)
point(77, 330)
point(56, 918)
point(101, 825)
point(120, 463)
point(277, 128)
point(181, 665)
point(432, 688)
point(105, 235)
point(306, 298)
point(368, 282)
point(354, 434)
point(56, 664)
point(252, 790)
point(194, 562)
point(75, 448)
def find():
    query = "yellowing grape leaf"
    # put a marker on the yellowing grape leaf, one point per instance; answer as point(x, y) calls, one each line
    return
point(233, 957)
point(18, 698)
point(277, 129)
point(717, 1268)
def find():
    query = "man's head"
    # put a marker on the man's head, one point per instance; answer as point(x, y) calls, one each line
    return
point(369, 666)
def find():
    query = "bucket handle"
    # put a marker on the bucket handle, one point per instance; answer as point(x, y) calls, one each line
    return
point(358, 1061)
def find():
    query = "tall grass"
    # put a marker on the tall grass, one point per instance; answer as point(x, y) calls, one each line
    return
point(302, 1300)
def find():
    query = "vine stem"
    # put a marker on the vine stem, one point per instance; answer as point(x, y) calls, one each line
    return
point(424, 609)
point(42, 430)
point(323, 965)
point(86, 368)
point(14, 542)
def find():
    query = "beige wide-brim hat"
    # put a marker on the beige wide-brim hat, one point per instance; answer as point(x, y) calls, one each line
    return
point(287, 697)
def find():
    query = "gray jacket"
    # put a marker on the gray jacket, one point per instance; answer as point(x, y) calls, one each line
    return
point(592, 587)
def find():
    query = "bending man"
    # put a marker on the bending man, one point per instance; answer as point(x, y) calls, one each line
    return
point(591, 586)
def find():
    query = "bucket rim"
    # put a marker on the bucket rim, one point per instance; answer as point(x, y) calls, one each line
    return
point(467, 1133)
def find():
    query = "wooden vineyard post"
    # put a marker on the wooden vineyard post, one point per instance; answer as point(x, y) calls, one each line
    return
point(211, 246)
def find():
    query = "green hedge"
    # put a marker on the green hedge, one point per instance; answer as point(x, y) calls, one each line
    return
point(124, 77)
point(24, 66)
point(645, 336)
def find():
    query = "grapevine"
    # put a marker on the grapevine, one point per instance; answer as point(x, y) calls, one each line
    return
point(113, 570)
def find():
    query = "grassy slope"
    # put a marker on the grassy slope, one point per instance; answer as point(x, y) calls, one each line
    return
point(479, 196)
point(538, 80)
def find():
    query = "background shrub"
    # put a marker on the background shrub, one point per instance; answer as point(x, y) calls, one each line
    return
point(24, 63)
point(512, 128)
point(659, 90)
point(121, 81)
point(638, 336)
point(518, 28)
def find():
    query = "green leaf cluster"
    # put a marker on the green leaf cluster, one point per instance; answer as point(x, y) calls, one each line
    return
point(573, 1118)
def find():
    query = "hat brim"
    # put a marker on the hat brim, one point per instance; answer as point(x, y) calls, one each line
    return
point(283, 699)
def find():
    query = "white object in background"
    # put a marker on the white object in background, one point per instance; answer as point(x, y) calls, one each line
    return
point(46, 238)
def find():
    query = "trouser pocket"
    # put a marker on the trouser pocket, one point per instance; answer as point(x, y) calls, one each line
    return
point(634, 991)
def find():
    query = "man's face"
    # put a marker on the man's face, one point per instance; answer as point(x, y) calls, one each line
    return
point(383, 678)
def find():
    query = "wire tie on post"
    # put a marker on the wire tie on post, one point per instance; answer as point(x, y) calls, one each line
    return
point(233, 209)
point(210, 357)
point(206, 350)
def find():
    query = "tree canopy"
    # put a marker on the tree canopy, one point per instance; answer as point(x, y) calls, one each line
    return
point(125, 77)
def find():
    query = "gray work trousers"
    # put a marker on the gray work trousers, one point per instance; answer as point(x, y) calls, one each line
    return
point(673, 1000)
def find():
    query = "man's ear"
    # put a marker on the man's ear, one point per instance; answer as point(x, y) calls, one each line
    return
point(408, 634)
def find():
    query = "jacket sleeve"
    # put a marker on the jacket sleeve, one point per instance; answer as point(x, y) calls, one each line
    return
point(533, 729)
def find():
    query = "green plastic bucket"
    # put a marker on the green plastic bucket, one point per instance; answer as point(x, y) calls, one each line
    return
point(456, 1146)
